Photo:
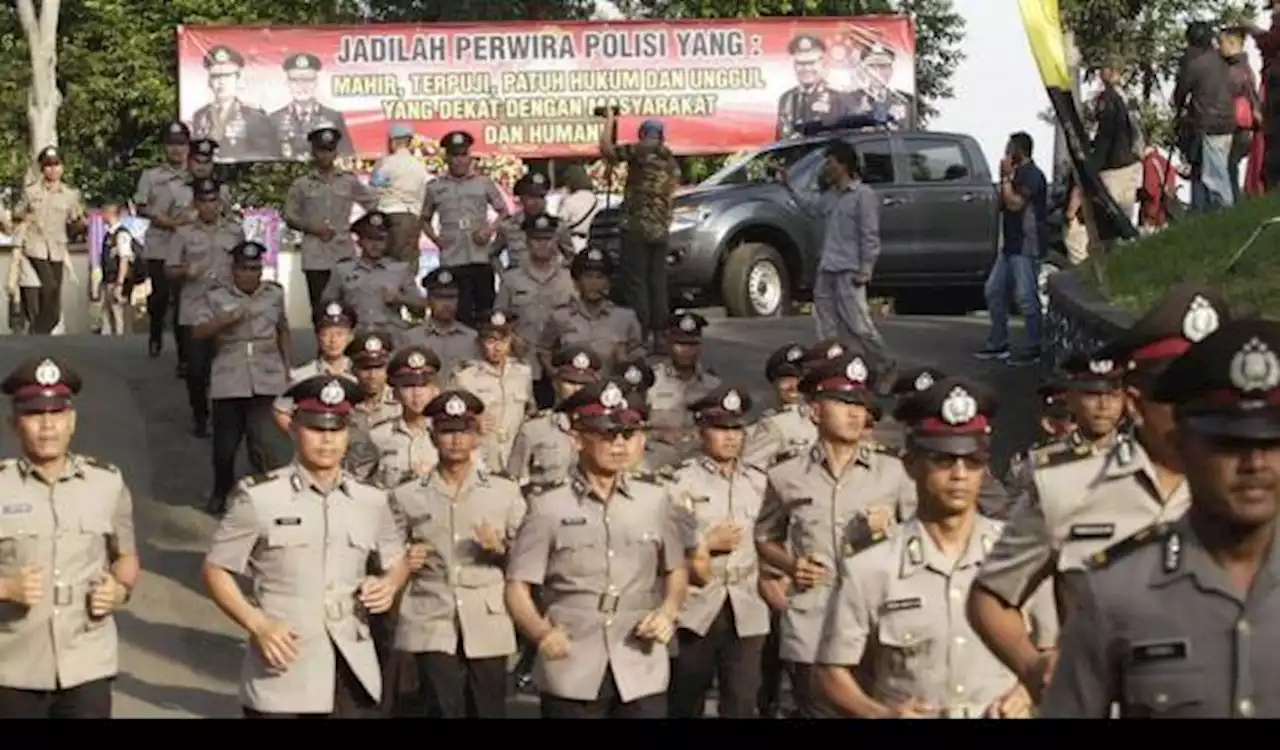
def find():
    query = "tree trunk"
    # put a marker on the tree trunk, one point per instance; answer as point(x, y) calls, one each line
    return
point(43, 99)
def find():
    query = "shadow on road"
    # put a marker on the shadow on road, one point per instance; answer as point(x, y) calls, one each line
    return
point(202, 703)
point(219, 655)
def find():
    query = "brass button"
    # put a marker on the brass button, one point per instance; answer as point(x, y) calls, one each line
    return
point(1244, 628)
point(1245, 707)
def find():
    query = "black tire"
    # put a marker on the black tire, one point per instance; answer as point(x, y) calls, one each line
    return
point(746, 260)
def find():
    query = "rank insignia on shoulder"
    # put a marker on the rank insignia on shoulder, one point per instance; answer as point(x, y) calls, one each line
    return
point(1059, 453)
point(785, 455)
point(645, 476)
point(1105, 557)
point(257, 479)
point(534, 489)
point(667, 473)
point(99, 464)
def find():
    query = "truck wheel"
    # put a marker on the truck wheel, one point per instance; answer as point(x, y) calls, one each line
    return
point(755, 283)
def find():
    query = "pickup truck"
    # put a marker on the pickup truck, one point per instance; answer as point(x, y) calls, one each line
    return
point(748, 236)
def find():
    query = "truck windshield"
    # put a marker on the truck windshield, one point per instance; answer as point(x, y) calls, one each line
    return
point(757, 166)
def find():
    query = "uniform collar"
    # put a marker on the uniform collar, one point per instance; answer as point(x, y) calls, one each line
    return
point(699, 372)
point(584, 493)
point(1182, 555)
point(73, 468)
point(476, 476)
point(711, 467)
point(301, 479)
point(919, 551)
point(323, 368)
point(606, 307)
point(454, 328)
point(402, 426)
point(818, 455)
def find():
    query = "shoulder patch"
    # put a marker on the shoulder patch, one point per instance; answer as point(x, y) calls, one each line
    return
point(257, 479)
point(785, 455)
point(648, 477)
point(866, 542)
point(533, 489)
point(666, 473)
point(99, 464)
point(1126, 546)
point(1059, 453)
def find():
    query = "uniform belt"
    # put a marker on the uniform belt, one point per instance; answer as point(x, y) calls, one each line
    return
point(740, 574)
point(251, 347)
point(607, 602)
point(64, 594)
point(961, 712)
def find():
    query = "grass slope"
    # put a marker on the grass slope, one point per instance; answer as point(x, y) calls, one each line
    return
point(1198, 249)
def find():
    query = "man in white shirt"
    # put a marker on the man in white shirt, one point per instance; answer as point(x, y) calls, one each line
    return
point(400, 180)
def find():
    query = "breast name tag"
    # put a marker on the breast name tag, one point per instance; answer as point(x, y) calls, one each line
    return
point(464, 223)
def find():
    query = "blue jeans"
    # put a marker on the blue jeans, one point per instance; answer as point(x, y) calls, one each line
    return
point(1021, 272)
point(1212, 188)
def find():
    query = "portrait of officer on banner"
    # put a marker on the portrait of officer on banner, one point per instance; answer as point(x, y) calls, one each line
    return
point(813, 98)
point(242, 131)
point(304, 113)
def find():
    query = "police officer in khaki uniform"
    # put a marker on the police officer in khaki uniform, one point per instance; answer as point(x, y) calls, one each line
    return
point(405, 448)
point(400, 181)
point(590, 319)
point(458, 521)
point(609, 554)
point(201, 258)
point(1077, 502)
point(46, 209)
point(461, 199)
point(307, 535)
point(647, 456)
point(897, 643)
point(543, 452)
point(246, 322)
point(723, 623)
point(531, 290)
point(295, 121)
point(376, 286)
point(334, 326)
point(369, 353)
point(68, 556)
point(822, 504)
point(200, 166)
point(319, 204)
point(786, 427)
point(441, 332)
point(531, 200)
point(158, 191)
point(502, 382)
point(1180, 620)
point(679, 380)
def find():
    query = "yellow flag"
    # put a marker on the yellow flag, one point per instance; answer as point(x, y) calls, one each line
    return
point(1044, 33)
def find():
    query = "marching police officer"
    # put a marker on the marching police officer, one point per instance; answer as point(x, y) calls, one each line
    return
point(531, 290)
point(441, 332)
point(608, 551)
point(723, 623)
point(679, 379)
point(404, 445)
point(648, 456)
point(590, 319)
point(244, 132)
point(376, 286)
point(201, 258)
point(68, 556)
point(200, 166)
point(1077, 502)
point(826, 502)
point(458, 521)
point(895, 613)
point(369, 353)
point(246, 322)
point(334, 326)
point(503, 383)
point(295, 121)
point(318, 205)
point(157, 198)
point(787, 427)
point(543, 452)
point(531, 196)
point(307, 535)
point(461, 199)
point(1180, 620)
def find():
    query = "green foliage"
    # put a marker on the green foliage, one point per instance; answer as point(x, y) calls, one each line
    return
point(939, 29)
point(1199, 249)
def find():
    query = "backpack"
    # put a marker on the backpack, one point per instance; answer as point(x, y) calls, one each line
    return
point(138, 269)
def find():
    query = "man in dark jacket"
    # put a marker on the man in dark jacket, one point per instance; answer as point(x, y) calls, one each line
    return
point(1245, 87)
point(1113, 153)
point(1203, 99)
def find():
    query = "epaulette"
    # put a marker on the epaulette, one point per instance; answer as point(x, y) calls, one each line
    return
point(878, 447)
point(533, 489)
point(666, 473)
point(257, 479)
point(500, 474)
point(648, 477)
point(1060, 453)
point(382, 422)
point(865, 542)
point(785, 455)
point(99, 464)
point(768, 413)
point(1105, 557)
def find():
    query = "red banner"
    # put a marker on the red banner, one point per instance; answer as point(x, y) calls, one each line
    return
point(531, 89)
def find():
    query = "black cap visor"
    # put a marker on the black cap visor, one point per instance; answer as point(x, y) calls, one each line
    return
point(975, 445)
point(1259, 424)
point(42, 405)
point(323, 421)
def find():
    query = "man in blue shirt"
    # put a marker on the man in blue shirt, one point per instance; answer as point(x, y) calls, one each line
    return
point(1023, 210)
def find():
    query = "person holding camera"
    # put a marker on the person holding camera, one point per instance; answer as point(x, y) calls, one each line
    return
point(652, 178)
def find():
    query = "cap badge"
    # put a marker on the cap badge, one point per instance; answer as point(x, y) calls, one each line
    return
point(221, 55)
point(1255, 368)
point(445, 277)
point(175, 128)
point(611, 397)
point(1101, 366)
point(302, 63)
point(595, 255)
point(732, 401)
point(48, 373)
point(835, 351)
point(373, 344)
point(856, 370)
point(688, 324)
point(333, 310)
point(332, 394)
point(498, 319)
point(455, 407)
point(537, 179)
point(375, 220)
point(417, 361)
point(633, 375)
point(541, 223)
point(1200, 321)
point(805, 44)
point(959, 407)
point(581, 361)
point(924, 381)
point(794, 354)
point(457, 139)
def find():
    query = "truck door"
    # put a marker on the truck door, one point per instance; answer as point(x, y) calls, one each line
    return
point(898, 211)
point(954, 207)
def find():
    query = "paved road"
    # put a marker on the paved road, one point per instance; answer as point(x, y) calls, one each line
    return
point(180, 656)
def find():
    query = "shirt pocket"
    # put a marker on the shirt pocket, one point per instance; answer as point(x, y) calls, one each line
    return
point(905, 643)
point(1153, 693)
point(578, 551)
